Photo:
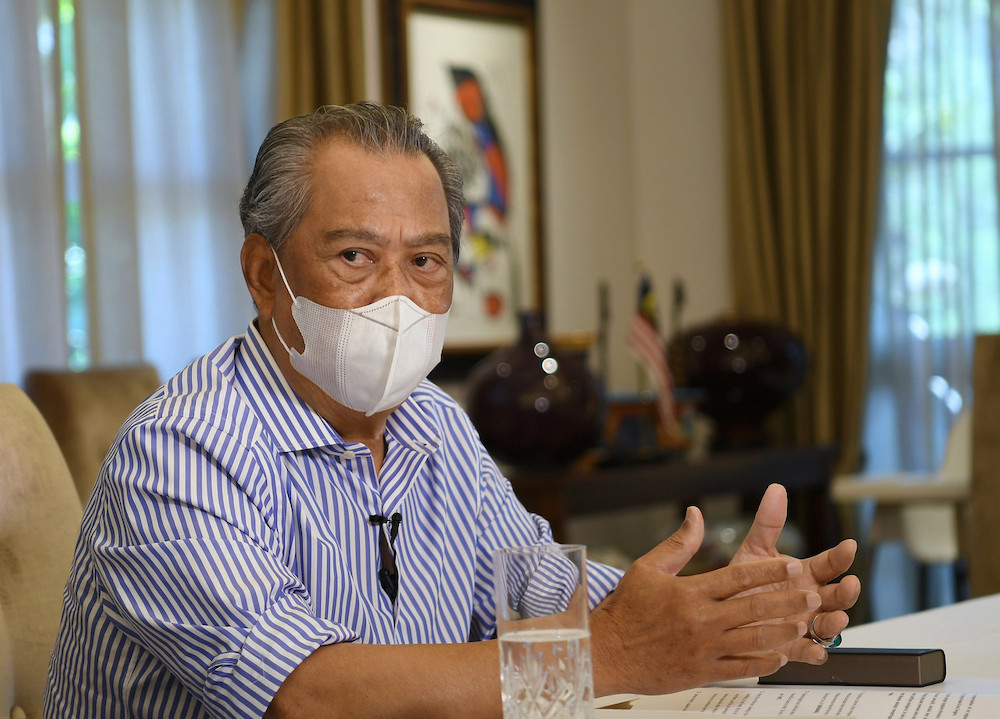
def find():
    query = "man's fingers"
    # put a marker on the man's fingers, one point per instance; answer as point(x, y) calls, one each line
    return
point(807, 651)
point(750, 665)
point(830, 624)
point(826, 625)
point(830, 564)
point(842, 595)
point(768, 521)
point(674, 552)
point(764, 606)
point(736, 578)
point(762, 637)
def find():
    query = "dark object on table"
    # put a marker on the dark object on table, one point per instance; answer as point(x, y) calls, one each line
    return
point(850, 666)
point(533, 404)
point(746, 370)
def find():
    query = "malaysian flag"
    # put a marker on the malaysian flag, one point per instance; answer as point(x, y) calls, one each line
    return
point(645, 341)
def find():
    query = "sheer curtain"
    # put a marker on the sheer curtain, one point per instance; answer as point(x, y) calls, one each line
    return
point(936, 279)
point(32, 311)
point(162, 161)
point(164, 164)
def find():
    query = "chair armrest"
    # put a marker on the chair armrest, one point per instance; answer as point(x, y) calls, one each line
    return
point(900, 488)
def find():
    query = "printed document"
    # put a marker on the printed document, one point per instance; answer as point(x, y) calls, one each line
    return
point(827, 702)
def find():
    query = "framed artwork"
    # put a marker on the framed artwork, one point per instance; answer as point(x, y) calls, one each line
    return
point(466, 68)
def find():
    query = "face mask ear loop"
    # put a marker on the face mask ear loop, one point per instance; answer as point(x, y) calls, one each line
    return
point(392, 367)
point(282, 271)
point(290, 294)
point(280, 338)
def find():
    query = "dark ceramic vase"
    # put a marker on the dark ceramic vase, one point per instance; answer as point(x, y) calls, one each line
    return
point(744, 369)
point(535, 406)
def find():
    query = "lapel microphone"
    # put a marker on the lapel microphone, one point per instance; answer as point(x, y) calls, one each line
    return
point(388, 576)
point(393, 521)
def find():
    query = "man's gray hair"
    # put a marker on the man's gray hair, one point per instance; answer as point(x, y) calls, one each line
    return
point(277, 195)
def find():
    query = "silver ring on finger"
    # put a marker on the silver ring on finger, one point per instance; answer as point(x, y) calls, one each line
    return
point(823, 641)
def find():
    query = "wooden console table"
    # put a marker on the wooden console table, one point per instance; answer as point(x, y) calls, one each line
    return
point(805, 472)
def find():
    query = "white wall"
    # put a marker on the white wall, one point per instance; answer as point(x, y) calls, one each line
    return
point(587, 168)
point(632, 104)
point(632, 153)
point(679, 152)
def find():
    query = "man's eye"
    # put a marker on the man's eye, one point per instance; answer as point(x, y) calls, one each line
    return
point(351, 255)
point(425, 261)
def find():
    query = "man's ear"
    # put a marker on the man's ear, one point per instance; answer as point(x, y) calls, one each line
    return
point(258, 264)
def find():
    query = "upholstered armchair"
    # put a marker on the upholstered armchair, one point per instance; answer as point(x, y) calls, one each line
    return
point(39, 521)
point(86, 409)
point(923, 509)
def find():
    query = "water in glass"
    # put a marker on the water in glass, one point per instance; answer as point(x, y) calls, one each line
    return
point(546, 674)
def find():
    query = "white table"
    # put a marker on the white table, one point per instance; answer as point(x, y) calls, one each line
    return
point(968, 632)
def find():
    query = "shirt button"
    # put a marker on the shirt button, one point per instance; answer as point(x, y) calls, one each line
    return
point(348, 454)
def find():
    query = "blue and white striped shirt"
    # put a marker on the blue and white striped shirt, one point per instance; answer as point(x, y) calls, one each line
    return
point(228, 537)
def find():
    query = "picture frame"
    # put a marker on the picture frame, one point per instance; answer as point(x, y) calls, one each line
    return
point(466, 68)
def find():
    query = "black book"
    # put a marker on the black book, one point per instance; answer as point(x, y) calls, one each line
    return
point(867, 667)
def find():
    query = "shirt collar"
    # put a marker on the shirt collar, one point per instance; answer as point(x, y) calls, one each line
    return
point(296, 426)
point(413, 425)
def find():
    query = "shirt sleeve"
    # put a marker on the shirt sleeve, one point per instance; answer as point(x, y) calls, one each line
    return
point(193, 569)
point(507, 524)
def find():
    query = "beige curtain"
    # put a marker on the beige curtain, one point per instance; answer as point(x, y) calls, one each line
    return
point(805, 116)
point(319, 54)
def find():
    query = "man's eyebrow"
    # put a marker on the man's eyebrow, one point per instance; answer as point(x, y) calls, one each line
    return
point(352, 233)
point(366, 235)
point(431, 238)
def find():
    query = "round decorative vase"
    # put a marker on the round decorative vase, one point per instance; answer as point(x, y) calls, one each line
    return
point(533, 404)
point(745, 370)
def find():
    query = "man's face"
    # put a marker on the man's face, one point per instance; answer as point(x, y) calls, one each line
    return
point(374, 228)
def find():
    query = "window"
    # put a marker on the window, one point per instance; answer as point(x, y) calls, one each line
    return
point(936, 279)
point(129, 119)
point(56, 46)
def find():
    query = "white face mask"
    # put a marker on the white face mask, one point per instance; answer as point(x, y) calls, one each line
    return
point(370, 358)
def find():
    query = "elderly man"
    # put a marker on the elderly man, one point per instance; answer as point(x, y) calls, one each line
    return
point(298, 524)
